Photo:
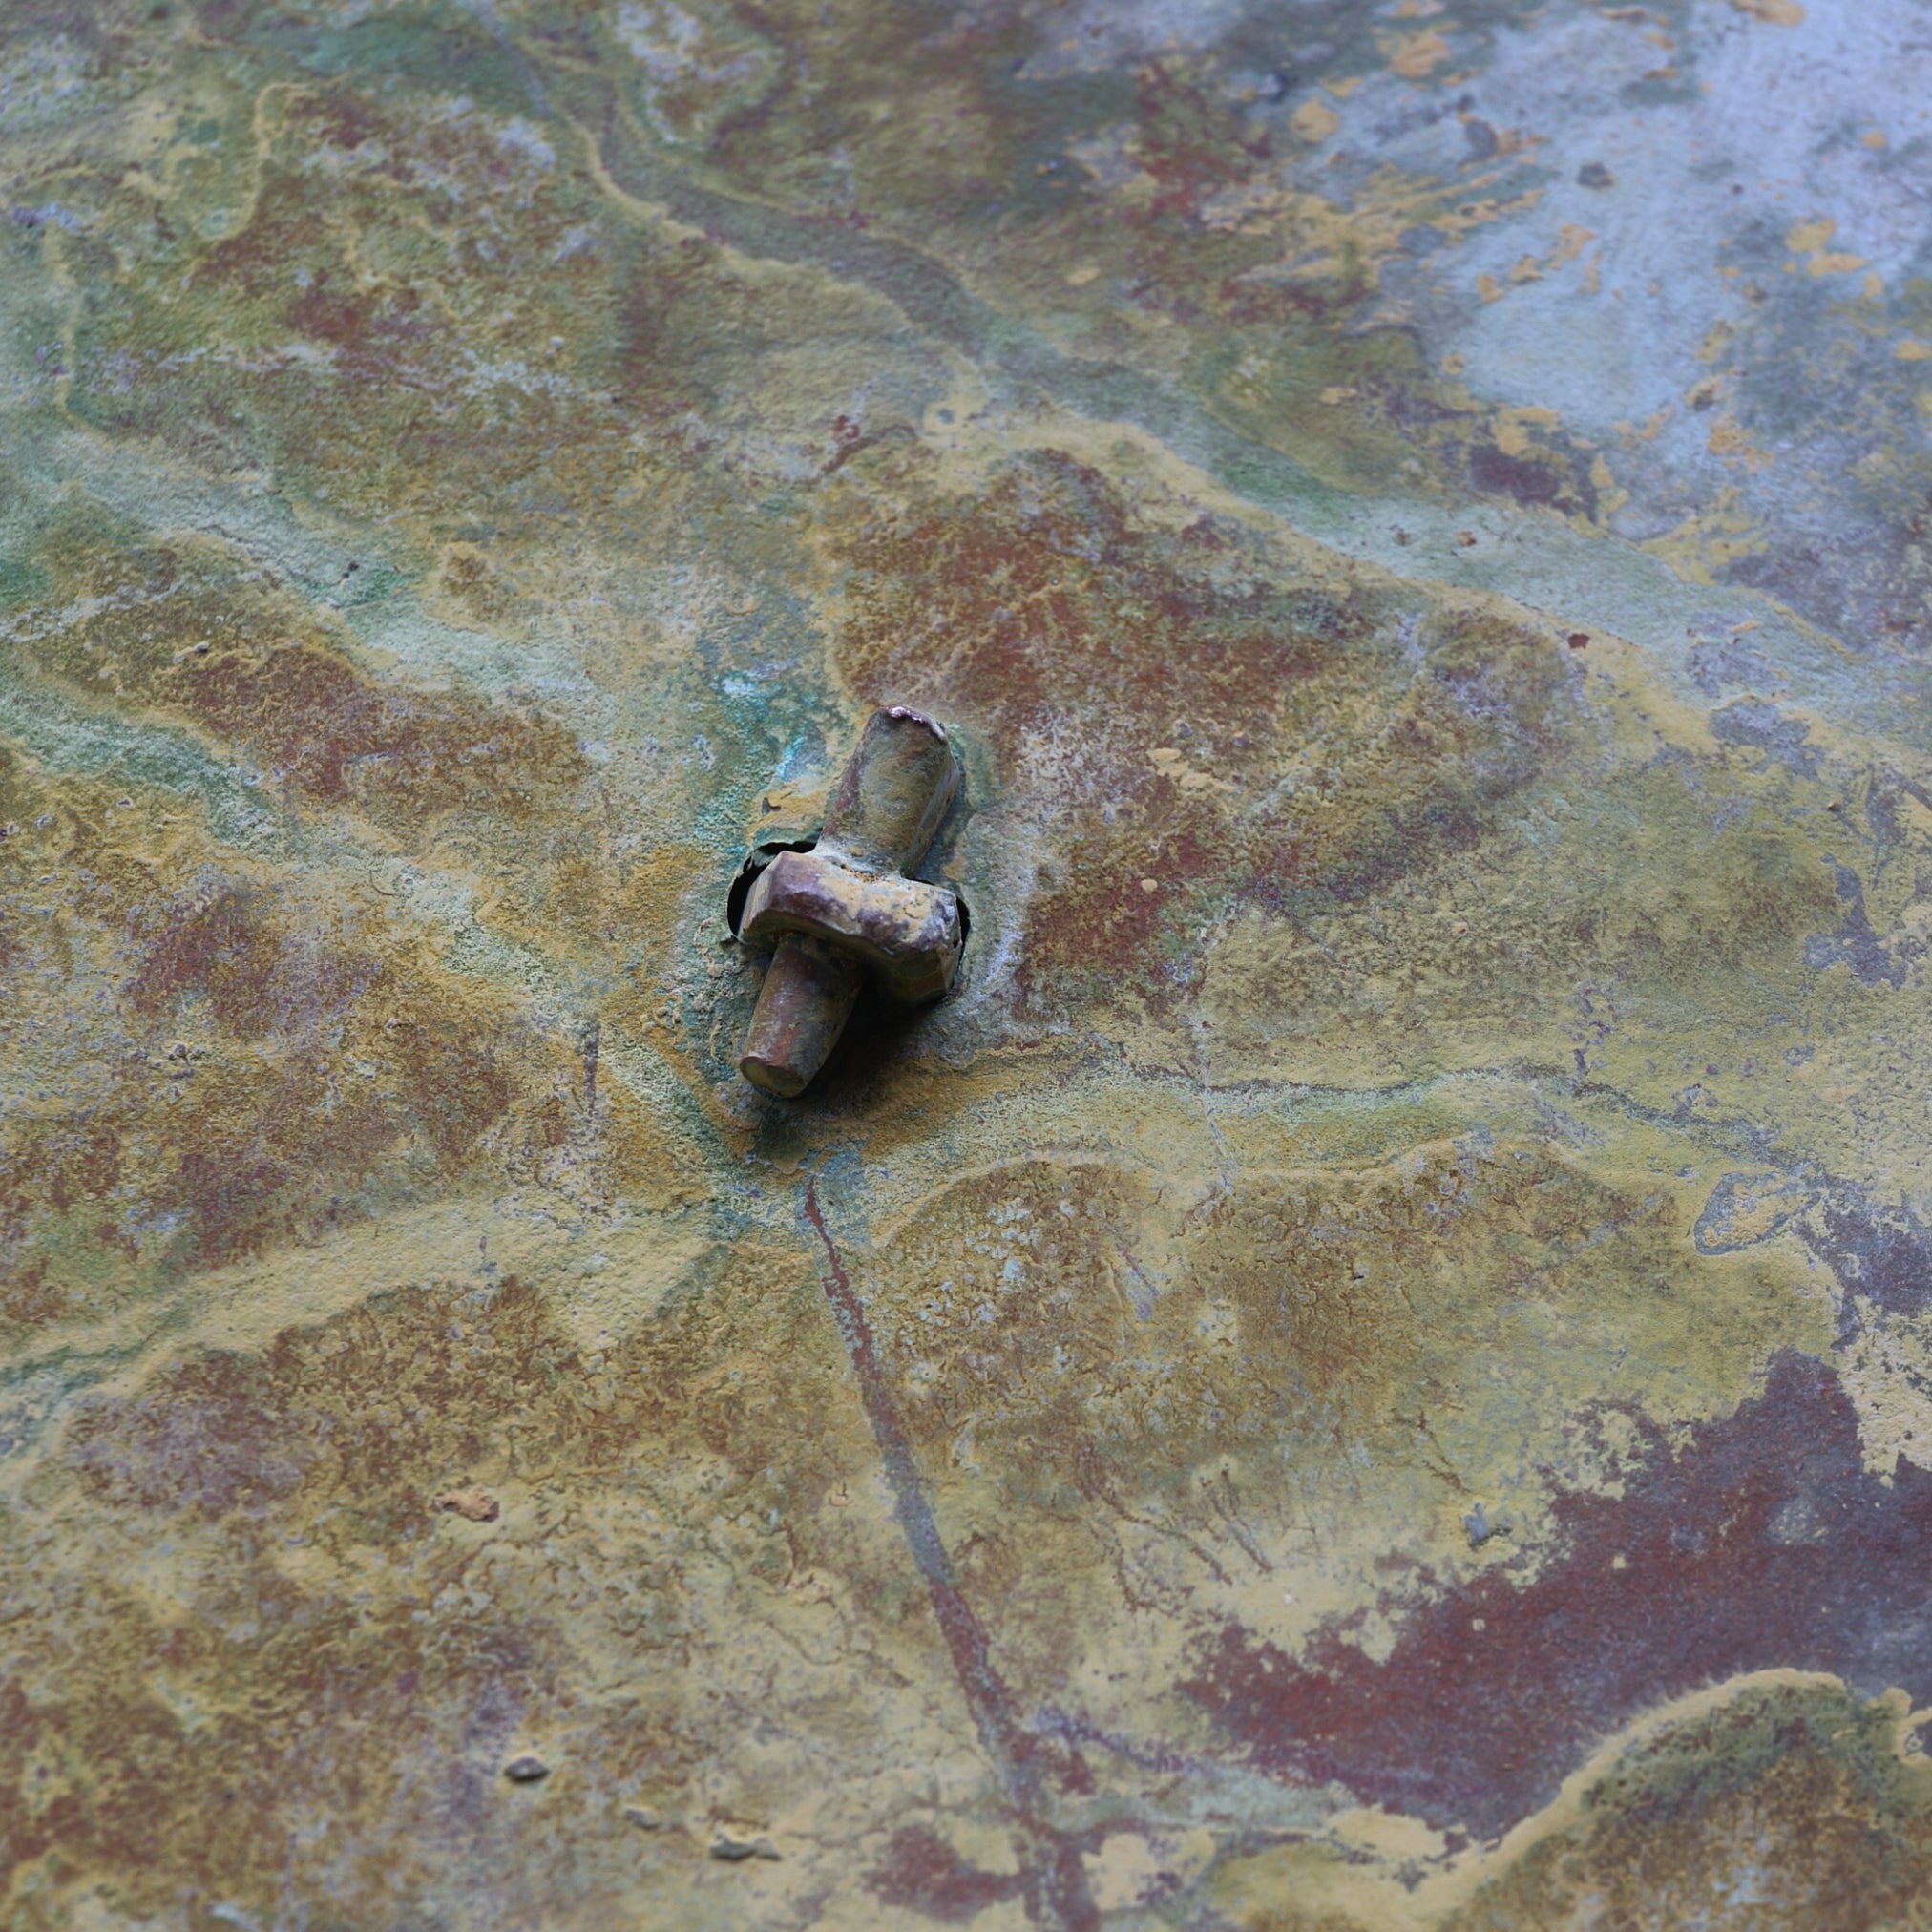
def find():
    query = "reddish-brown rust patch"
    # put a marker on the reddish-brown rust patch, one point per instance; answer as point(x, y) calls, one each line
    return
point(1024, 1329)
point(250, 665)
point(465, 1386)
point(26, 1297)
point(201, 1441)
point(408, 257)
point(1763, 1543)
point(59, 1166)
point(260, 1143)
point(209, 1813)
point(271, 1063)
point(922, 1871)
point(329, 731)
point(229, 946)
point(1153, 688)
point(365, 326)
point(82, 1162)
point(1040, 599)
point(1191, 142)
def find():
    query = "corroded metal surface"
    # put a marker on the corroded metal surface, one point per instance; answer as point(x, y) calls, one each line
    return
point(849, 910)
point(1369, 1367)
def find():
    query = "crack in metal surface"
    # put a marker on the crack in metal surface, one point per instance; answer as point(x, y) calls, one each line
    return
point(1054, 1880)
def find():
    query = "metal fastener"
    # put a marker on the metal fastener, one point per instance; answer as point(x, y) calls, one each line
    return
point(845, 910)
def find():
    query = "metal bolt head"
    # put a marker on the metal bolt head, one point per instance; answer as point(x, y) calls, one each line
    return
point(846, 911)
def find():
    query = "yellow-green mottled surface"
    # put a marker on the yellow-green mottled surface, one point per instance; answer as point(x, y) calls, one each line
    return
point(1369, 1368)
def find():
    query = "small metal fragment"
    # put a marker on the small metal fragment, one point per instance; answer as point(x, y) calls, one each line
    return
point(474, 1505)
point(526, 1769)
point(845, 910)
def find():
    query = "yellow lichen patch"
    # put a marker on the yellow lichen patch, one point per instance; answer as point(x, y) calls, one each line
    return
point(1812, 239)
point(1729, 439)
point(1778, 13)
point(1707, 544)
point(1717, 341)
point(1390, 1835)
point(1571, 242)
point(1415, 56)
point(1314, 120)
point(1887, 1369)
point(1513, 427)
point(1648, 429)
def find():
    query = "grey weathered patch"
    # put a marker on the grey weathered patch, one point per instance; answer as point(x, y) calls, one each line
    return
point(1854, 944)
point(1764, 728)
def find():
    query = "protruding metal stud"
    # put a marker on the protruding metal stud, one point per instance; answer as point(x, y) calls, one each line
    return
point(845, 910)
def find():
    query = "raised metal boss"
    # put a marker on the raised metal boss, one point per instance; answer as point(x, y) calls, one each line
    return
point(846, 910)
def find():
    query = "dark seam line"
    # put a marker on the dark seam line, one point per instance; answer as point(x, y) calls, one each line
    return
point(1056, 1881)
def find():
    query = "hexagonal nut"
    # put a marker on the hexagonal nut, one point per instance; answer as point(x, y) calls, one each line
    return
point(907, 934)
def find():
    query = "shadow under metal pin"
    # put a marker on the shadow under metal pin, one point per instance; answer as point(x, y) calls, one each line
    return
point(846, 911)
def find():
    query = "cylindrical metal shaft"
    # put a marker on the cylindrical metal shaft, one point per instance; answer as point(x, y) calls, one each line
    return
point(803, 1006)
point(892, 795)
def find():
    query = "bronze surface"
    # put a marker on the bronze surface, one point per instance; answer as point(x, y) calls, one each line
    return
point(1369, 1367)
